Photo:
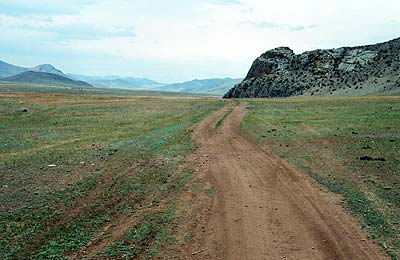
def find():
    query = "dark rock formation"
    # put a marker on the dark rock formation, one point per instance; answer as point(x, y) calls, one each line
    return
point(371, 69)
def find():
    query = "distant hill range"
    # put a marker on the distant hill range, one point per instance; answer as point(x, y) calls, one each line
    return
point(347, 71)
point(118, 82)
point(8, 70)
point(212, 86)
point(43, 78)
point(217, 86)
point(44, 74)
point(47, 74)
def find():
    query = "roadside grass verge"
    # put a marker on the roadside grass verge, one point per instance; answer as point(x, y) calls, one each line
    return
point(350, 145)
point(73, 165)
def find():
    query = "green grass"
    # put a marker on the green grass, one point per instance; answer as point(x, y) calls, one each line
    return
point(325, 137)
point(209, 192)
point(144, 239)
point(113, 156)
point(221, 121)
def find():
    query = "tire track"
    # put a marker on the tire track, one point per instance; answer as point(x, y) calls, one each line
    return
point(265, 209)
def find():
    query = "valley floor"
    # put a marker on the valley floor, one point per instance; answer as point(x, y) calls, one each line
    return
point(123, 177)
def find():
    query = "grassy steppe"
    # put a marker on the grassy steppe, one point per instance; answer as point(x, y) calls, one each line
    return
point(76, 165)
point(350, 145)
point(33, 88)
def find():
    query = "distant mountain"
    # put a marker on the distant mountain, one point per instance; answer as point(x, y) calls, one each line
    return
point(49, 75)
point(44, 74)
point(47, 68)
point(211, 86)
point(118, 82)
point(8, 70)
point(346, 71)
point(43, 78)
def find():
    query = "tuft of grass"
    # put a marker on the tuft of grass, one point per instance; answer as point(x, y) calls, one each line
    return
point(209, 192)
point(221, 121)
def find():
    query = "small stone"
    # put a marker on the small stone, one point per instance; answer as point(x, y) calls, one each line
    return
point(23, 110)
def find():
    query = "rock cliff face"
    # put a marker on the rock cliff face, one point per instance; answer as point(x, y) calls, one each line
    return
point(346, 71)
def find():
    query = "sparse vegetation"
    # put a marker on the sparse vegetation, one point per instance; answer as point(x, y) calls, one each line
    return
point(73, 168)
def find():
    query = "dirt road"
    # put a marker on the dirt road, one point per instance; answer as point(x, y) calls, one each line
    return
point(262, 208)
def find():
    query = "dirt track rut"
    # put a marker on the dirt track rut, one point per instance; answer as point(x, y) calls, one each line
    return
point(262, 208)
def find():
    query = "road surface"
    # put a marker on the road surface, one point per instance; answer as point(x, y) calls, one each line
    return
point(262, 208)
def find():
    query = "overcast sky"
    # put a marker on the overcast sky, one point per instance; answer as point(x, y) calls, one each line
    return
point(177, 40)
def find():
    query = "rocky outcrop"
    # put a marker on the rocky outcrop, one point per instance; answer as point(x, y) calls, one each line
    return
point(344, 71)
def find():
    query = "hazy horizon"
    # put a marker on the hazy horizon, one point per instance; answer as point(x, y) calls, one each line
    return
point(175, 41)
